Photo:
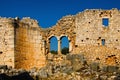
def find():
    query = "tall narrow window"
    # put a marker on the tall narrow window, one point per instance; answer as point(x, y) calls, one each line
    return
point(64, 45)
point(105, 22)
point(103, 42)
point(53, 45)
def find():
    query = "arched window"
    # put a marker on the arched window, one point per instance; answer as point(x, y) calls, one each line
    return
point(53, 45)
point(64, 45)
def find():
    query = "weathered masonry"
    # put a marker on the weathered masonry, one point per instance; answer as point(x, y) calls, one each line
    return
point(94, 33)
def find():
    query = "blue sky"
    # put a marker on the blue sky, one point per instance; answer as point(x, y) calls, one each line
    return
point(48, 12)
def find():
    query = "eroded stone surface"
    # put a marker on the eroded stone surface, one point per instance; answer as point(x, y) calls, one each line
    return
point(24, 44)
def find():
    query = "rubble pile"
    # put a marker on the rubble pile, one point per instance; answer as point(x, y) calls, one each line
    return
point(63, 67)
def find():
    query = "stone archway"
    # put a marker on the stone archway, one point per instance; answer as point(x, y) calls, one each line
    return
point(58, 39)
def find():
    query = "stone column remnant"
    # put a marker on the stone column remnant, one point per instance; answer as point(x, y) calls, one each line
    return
point(59, 47)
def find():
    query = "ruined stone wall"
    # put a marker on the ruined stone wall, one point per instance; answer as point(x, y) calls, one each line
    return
point(24, 44)
point(65, 27)
point(90, 32)
point(29, 46)
point(7, 41)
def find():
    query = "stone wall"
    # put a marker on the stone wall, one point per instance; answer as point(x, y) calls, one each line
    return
point(7, 41)
point(90, 33)
point(24, 44)
point(64, 27)
point(90, 30)
point(29, 46)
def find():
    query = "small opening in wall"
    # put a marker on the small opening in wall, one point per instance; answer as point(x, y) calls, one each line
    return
point(101, 12)
point(99, 38)
point(89, 22)
point(105, 22)
point(118, 30)
point(115, 48)
point(116, 39)
point(76, 45)
point(98, 43)
point(103, 42)
point(87, 38)
point(1, 52)
point(82, 40)
point(97, 58)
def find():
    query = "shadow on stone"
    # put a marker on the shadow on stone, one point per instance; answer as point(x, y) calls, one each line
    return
point(22, 76)
point(5, 77)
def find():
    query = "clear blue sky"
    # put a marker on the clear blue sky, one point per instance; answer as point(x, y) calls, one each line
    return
point(48, 12)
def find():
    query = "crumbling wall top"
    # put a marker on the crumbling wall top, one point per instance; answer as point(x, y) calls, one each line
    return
point(95, 11)
point(6, 20)
point(29, 21)
point(66, 21)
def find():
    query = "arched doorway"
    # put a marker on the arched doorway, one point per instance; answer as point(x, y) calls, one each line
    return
point(53, 45)
point(64, 45)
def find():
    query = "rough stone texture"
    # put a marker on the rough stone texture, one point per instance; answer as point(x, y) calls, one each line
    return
point(90, 32)
point(7, 41)
point(24, 44)
point(61, 67)
point(29, 46)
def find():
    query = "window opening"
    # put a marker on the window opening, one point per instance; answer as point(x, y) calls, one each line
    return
point(53, 45)
point(103, 42)
point(64, 45)
point(105, 22)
